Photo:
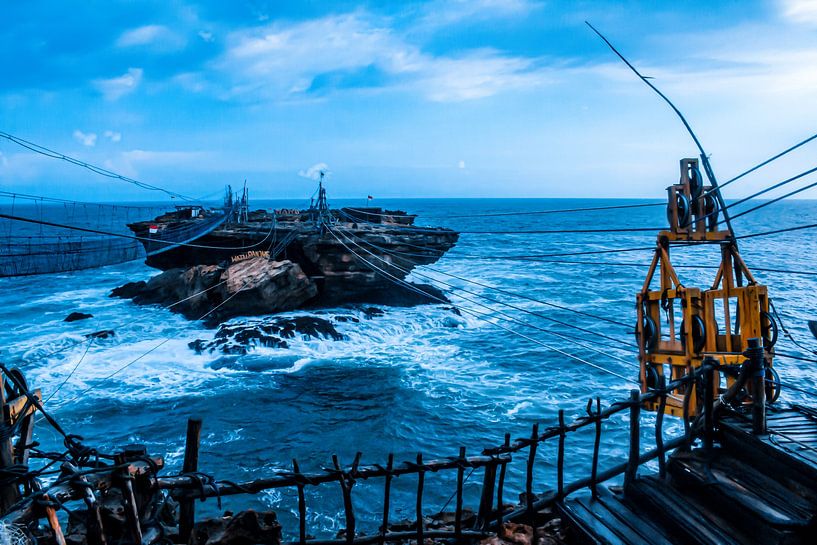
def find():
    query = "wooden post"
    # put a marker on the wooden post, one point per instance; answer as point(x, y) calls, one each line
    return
point(534, 443)
point(419, 513)
point(486, 500)
point(346, 490)
point(95, 530)
point(386, 499)
point(500, 508)
point(594, 471)
point(754, 353)
point(458, 510)
point(301, 505)
point(8, 492)
point(709, 364)
point(560, 458)
point(659, 435)
point(635, 438)
point(187, 506)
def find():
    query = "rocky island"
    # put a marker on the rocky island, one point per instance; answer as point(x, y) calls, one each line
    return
point(220, 264)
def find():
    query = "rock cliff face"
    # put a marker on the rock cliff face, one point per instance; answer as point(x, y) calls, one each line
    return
point(214, 293)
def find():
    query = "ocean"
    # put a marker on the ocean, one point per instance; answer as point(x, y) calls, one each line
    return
point(421, 379)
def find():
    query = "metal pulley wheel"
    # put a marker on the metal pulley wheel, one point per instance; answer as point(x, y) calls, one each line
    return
point(698, 334)
point(711, 209)
point(768, 330)
point(773, 385)
point(683, 209)
point(649, 334)
point(696, 182)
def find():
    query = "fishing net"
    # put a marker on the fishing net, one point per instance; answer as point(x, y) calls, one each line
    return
point(41, 246)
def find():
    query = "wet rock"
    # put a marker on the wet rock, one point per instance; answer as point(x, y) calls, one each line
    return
point(216, 293)
point(104, 334)
point(77, 316)
point(129, 290)
point(346, 318)
point(245, 528)
point(372, 312)
point(259, 286)
point(240, 339)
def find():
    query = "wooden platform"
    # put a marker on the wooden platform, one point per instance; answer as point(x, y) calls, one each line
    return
point(749, 490)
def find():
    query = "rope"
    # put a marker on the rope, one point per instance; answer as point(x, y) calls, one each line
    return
point(488, 286)
point(135, 237)
point(513, 294)
point(478, 316)
point(162, 343)
point(766, 162)
point(508, 316)
point(538, 212)
point(71, 374)
point(42, 150)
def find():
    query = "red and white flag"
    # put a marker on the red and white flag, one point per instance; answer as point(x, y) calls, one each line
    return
point(153, 229)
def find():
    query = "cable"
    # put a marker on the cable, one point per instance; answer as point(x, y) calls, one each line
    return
point(135, 237)
point(793, 357)
point(26, 196)
point(162, 343)
point(511, 318)
point(564, 231)
point(510, 293)
point(538, 212)
point(42, 150)
point(778, 231)
point(71, 374)
point(704, 157)
point(764, 163)
point(462, 309)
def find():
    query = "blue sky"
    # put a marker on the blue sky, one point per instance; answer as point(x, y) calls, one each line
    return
point(498, 98)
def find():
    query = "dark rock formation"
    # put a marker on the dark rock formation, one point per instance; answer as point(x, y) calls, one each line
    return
point(240, 339)
point(245, 528)
point(215, 294)
point(129, 290)
point(77, 316)
point(104, 334)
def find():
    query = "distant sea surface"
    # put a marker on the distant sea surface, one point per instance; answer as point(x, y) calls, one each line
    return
point(413, 380)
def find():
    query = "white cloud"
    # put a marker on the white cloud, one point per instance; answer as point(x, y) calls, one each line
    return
point(278, 61)
point(3, 160)
point(314, 172)
point(461, 164)
point(86, 139)
point(113, 136)
point(157, 36)
point(120, 86)
point(446, 12)
point(800, 11)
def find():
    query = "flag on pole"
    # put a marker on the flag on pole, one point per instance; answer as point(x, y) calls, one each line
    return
point(153, 229)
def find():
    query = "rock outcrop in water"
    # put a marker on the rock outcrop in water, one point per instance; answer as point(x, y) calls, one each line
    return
point(216, 293)
point(239, 339)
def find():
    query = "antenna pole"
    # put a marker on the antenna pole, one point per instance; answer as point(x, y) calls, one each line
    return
point(704, 158)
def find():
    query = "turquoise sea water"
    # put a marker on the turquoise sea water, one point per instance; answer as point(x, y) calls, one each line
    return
point(414, 379)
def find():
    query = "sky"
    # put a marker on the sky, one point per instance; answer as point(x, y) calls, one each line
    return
point(477, 98)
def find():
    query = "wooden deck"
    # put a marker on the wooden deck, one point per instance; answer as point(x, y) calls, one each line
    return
point(748, 490)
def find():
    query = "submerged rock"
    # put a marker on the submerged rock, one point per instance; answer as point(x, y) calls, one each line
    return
point(245, 528)
point(77, 316)
point(104, 334)
point(240, 339)
point(129, 290)
point(217, 293)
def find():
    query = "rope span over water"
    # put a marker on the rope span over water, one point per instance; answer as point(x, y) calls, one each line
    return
point(42, 150)
point(400, 282)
